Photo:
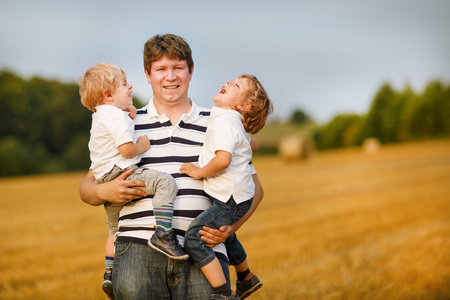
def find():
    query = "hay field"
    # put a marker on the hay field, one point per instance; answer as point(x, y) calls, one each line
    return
point(343, 225)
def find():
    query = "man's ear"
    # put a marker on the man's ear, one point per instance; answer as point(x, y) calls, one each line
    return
point(147, 75)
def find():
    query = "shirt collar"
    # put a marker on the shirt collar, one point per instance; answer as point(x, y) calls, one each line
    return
point(152, 112)
point(217, 111)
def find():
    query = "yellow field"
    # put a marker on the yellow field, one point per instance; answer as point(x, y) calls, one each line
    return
point(343, 225)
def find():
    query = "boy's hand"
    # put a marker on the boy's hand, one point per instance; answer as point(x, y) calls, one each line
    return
point(191, 170)
point(132, 111)
point(144, 142)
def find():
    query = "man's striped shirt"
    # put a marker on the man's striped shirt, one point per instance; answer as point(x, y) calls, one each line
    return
point(170, 147)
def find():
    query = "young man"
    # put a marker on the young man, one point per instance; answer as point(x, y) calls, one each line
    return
point(176, 127)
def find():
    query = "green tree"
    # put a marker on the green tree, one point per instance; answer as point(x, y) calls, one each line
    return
point(299, 116)
point(433, 105)
point(381, 119)
point(47, 121)
point(14, 105)
point(341, 131)
point(15, 158)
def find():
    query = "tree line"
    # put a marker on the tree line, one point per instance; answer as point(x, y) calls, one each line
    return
point(394, 116)
point(44, 128)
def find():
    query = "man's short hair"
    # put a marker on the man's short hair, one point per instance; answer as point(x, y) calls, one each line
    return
point(168, 44)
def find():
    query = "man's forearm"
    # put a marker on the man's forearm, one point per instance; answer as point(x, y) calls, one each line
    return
point(88, 192)
point(257, 197)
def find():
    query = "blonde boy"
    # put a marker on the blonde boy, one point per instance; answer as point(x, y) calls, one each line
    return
point(242, 108)
point(114, 149)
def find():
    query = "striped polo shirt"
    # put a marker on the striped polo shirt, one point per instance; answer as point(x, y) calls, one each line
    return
point(170, 147)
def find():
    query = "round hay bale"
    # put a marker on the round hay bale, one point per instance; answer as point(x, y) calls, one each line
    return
point(371, 145)
point(296, 147)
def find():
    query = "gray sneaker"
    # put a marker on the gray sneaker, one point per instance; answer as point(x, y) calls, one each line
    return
point(107, 284)
point(166, 242)
point(245, 288)
point(222, 297)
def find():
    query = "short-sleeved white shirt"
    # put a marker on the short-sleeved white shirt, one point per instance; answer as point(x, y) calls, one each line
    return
point(111, 127)
point(226, 132)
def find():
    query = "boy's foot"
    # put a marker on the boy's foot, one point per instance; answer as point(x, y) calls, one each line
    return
point(166, 242)
point(107, 284)
point(222, 297)
point(245, 288)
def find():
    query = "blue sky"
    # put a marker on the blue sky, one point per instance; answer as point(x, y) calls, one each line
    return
point(325, 57)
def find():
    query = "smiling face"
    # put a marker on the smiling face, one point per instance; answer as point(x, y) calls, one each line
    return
point(233, 94)
point(170, 78)
point(121, 97)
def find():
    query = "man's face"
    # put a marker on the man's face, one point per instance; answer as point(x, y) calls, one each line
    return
point(170, 79)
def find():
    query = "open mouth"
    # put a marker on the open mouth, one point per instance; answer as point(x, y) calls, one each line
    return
point(222, 90)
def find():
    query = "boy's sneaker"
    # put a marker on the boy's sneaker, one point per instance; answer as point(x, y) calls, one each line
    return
point(166, 242)
point(245, 288)
point(107, 284)
point(222, 297)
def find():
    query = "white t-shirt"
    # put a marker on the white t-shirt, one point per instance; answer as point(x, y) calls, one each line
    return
point(111, 127)
point(226, 132)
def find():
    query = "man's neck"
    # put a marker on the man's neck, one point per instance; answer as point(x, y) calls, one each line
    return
point(173, 111)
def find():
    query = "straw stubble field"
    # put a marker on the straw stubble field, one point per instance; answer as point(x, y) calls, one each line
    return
point(343, 225)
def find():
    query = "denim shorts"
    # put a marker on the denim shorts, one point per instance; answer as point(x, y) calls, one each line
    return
point(217, 215)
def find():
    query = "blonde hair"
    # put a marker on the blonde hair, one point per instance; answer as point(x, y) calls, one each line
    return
point(96, 81)
point(261, 107)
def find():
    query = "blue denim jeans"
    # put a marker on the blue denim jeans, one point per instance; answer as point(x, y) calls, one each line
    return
point(235, 252)
point(140, 272)
point(217, 215)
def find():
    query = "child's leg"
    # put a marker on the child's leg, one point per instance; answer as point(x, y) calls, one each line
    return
point(237, 257)
point(109, 248)
point(109, 253)
point(112, 211)
point(164, 190)
point(109, 262)
point(243, 271)
point(214, 273)
point(204, 258)
point(163, 216)
point(247, 282)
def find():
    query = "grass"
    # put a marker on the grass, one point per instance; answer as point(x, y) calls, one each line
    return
point(342, 225)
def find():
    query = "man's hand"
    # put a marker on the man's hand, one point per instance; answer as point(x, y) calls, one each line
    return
point(214, 237)
point(121, 190)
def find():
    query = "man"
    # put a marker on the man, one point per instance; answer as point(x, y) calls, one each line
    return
point(176, 128)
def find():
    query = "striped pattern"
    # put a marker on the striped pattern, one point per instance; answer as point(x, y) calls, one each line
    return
point(163, 216)
point(171, 146)
point(109, 262)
